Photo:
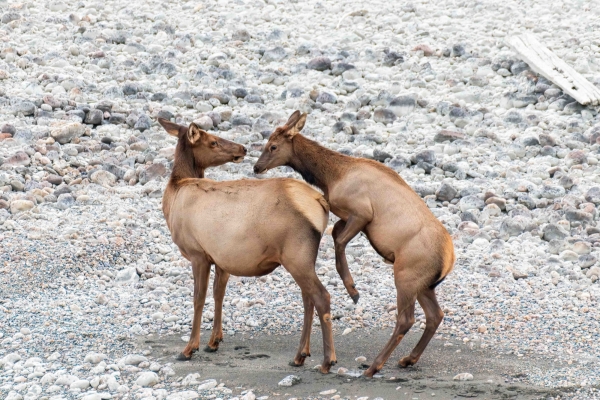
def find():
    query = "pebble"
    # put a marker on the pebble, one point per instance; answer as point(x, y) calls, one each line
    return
point(289, 380)
point(319, 64)
point(207, 384)
point(147, 379)
point(464, 376)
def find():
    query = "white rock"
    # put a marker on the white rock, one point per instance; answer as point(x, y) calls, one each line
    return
point(127, 276)
point(103, 178)
point(207, 384)
point(17, 206)
point(32, 362)
point(67, 132)
point(80, 384)
point(191, 379)
point(185, 395)
point(133, 359)
point(147, 379)
point(65, 380)
point(248, 396)
point(48, 379)
point(328, 392)
point(289, 380)
point(93, 396)
point(94, 358)
point(465, 376)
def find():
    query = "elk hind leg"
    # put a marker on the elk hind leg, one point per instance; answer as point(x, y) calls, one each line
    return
point(407, 289)
point(434, 316)
point(304, 348)
point(219, 287)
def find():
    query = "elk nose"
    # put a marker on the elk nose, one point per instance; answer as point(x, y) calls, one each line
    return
point(245, 150)
point(255, 169)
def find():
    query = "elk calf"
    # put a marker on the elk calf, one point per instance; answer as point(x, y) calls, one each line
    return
point(367, 196)
point(244, 228)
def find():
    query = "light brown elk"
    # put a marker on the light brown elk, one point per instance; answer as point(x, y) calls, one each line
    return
point(367, 196)
point(244, 228)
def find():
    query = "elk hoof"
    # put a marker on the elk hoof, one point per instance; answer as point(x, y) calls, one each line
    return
point(355, 298)
point(370, 372)
point(324, 369)
point(183, 357)
point(406, 362)
point(293, 364)
point(209, 349)
point(305, 354)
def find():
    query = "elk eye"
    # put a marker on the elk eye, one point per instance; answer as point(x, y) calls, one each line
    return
point(214, 144)
point(273, 147)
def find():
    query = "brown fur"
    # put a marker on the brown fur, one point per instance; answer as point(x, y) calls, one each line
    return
point(369, 197)
point(244, 228)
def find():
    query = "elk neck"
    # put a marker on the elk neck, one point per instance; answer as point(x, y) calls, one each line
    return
point(318, 165)
point(185, 165)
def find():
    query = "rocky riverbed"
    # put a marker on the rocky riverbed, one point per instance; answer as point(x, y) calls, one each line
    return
point(505, 159)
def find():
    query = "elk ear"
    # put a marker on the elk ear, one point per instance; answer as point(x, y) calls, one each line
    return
point(171, 128)
point(293, 119)
point(301, 121)
point(295, 129)
point(194, 133)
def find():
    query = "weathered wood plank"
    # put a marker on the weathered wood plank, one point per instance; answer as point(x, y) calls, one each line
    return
point(546, 63)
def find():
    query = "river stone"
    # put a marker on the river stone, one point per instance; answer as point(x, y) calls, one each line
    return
point(204, 122)
point(25, 107)
point(446, 192)
point(402, 105)
point(384, 116)
point(65, 201)
point(319, 64)
point(593, 195)
point(21, 205)
point(94, 358)
point(275, 54)
point(19, 158)
point(125, 277)
point(147, 378)
point(65, 133)
point(471, 202)
point(207, 384)
point(445, 135)
point(427, 156)
point(94, 117)
point(289, 380)
point(554, 232)
point(103, 178)
point(153, 172)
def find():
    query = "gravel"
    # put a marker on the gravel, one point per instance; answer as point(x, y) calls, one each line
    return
point(502, 157)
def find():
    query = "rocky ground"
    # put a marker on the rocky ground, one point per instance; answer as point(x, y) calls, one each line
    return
point(505, 159)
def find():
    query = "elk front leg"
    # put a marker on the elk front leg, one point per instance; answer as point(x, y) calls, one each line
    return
point(343, 232)
point(219, 286)
point(201, 271)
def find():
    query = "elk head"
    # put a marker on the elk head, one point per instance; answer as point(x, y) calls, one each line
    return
point(278, 150)
point(207, 150)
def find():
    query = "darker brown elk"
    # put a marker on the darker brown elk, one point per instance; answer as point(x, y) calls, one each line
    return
point(369, 197)
point(244, 228)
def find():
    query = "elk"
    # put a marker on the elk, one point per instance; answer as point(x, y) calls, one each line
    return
point(367, 196)
point(244, 228)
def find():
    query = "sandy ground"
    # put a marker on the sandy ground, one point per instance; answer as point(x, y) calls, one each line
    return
point(245, 362)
